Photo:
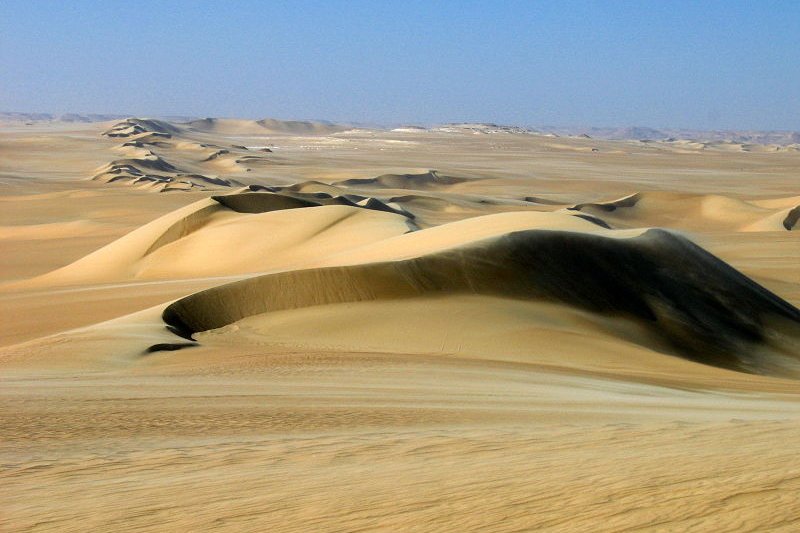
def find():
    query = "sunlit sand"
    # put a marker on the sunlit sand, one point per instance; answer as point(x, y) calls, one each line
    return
point(294, 326)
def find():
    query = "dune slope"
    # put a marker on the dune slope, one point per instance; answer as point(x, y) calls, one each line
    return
point(708, 310)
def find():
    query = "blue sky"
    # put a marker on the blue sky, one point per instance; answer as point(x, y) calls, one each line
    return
point(695, 64)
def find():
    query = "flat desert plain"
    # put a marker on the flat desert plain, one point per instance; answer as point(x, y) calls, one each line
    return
point(243, 326)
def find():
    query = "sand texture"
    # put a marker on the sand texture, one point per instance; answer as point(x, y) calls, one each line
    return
point(239, 325)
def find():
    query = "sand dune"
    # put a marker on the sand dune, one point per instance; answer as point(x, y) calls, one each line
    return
point(135, 150)
point(134, 127)
point(543, 201)
point(229, 218)
point(215, 155)
point(143, 167)
point(404, 181)
point(148, 139)
point(262, 127)
point(248, 230)
point(566, 334)
point(702, 306)
point(310, 186)
point(256, 202)
point(135, 166)
point(688, 211)
point(153, 171)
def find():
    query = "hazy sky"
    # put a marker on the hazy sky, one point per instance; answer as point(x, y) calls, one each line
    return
point(730, 64)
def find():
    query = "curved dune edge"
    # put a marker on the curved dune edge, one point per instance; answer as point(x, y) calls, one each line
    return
point(227, 227)
point(248, 232)
point(792, 218)
point(695, 211)
point(253, 200)
point(113, 261)
point(145, 165)
point(216, 243)
point(469, 231)
point(707, 310)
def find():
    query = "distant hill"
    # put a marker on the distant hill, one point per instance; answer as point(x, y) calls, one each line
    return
point(321, 127)
point(11, 116)
point(642, 133)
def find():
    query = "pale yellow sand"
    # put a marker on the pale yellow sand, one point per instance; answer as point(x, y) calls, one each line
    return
point(442, 410)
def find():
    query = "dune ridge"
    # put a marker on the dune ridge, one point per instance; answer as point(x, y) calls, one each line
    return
point(263, 127)
point(268, 198)
point(428, 179)
point(134, 127)
point(234, 226)
point(152, 171)
point(691, 211)
point(143, 167)
point(705, 308)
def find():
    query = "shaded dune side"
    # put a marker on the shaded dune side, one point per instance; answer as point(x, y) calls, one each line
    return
point(594, 220)
point(132, 127)
point(610, 207)
point(543, 201)
point(264, 198)
point(425, 208)
point(147, 140)
point(153, 171)
point(792, 217)
point(137, 166)
point(257, 202)
point(709, 311)
point(144, 168)
point(694, 210)
point(125, 257)
point(184, 226)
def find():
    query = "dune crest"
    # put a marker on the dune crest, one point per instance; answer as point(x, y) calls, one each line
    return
point(692, 211)
point(263, 127)
point(135, 127)
point(145, 165)
point(706, 309)
point(237, 228)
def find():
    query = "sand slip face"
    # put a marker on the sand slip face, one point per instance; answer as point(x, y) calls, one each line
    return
point(696, 211)
point(275, 326)
point(694, 302)
point(206, 240)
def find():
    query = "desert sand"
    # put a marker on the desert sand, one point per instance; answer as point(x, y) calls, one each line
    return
point(239, 325)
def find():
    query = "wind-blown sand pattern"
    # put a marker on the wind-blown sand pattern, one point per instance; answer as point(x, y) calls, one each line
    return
point(297, 326)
